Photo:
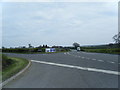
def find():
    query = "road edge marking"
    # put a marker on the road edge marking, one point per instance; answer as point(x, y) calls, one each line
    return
point(78, 67)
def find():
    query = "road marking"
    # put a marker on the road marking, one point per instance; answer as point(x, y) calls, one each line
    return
point(111, 62)
point(83, 52)
point(83, 57)
point(64, 53)
point(68, 53)
point(101, 60)
point(78, 67)
point(93, 59)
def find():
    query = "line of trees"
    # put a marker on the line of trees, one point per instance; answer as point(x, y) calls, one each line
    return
point(33, 49)
point(23, 50)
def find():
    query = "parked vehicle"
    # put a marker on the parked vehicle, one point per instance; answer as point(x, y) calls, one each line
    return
point(78, 48)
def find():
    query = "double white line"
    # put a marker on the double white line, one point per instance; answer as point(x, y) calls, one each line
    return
point(78, 67)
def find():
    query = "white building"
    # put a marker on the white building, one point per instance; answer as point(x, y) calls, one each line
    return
point(50, 50)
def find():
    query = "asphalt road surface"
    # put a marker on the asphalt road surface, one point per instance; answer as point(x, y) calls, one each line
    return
point(68, 70)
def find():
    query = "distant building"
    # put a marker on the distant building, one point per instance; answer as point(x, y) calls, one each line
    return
point(50, 50)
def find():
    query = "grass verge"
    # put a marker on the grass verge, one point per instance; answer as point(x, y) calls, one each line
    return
point(110, 51)
point(17, 65)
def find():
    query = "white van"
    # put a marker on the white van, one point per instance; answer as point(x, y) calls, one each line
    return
point(78, 48)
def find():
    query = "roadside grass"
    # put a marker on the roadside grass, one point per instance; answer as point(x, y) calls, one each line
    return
point(110, 51)
point(17, 65)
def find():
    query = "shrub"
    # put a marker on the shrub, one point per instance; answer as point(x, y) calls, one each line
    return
point(6, 61)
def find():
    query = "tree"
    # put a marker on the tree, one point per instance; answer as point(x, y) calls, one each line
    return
point(116, 38)
point(76, 45)
point(6, 61)
point(39, 47)
point(3, 47)
point(29, 45)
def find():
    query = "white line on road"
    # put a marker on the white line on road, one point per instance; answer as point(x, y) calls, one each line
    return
point(78, 67)
point(64, 53)
point(83, 57)
point(68, 53)
point(111, 62)
point(93, 59)
point(101, 60)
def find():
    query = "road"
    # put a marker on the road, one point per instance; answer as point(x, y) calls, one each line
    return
point(68, 70)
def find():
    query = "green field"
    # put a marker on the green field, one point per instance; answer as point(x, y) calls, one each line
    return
point(13, 68)
point(108, 48)
point(111, 51)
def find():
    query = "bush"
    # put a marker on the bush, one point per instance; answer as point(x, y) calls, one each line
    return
point(6, 61)
point(17, 65)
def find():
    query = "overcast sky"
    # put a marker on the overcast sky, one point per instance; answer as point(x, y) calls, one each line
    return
point(87, 23)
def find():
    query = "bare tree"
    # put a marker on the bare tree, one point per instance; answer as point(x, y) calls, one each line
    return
point(116, 38)
point(29, 45)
